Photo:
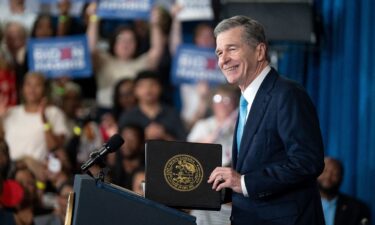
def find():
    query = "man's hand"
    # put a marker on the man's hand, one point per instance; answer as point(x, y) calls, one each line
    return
point(225, 177)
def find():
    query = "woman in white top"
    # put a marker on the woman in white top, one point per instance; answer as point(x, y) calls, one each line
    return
point(33, 129)
point(121, 60)
point(218, 129)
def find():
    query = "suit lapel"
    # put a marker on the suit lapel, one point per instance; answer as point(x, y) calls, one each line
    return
point(341, 207)
point(256, 115)
point(234, 146)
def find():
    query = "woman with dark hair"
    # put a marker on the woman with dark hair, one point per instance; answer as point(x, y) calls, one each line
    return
point(130, 157)
point(43, 27)
point(123, 97)
point(122, 60)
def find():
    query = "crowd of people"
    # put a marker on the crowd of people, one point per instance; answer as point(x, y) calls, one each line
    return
point(49, 127)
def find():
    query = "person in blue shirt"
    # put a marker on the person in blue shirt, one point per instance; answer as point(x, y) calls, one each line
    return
point(339, 209)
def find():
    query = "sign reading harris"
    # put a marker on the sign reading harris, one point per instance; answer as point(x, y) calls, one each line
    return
point(124, 9)
point(55, 57)
point(192, 64)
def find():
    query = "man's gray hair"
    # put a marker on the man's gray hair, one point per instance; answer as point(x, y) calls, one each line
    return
point(253, 30)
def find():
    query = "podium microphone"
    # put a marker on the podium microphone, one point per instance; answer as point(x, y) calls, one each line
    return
point(112, 145)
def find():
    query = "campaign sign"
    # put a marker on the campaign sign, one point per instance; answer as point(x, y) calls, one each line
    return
point(195, 10)
point(192, 64)
point(124, 9)
point(55, 57)
point(56, 1)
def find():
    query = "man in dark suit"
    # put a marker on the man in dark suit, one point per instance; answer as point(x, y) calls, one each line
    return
point(339, 209)
point(277, 149)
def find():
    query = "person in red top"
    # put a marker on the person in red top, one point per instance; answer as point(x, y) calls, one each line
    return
point(8, 85)
point(7, 82)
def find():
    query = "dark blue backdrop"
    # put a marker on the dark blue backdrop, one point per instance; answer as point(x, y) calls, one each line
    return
point(340, 77)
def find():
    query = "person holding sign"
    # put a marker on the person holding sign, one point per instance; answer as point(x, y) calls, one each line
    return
point(121, 61)
point(193, 95)
point(277, 149)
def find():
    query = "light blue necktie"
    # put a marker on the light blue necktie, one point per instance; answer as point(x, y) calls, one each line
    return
point(241, 120)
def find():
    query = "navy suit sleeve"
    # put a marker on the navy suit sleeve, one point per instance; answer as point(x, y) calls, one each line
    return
point(297, 129)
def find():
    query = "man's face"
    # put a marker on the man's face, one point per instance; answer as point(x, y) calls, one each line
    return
point(238, 61)
point(147, 90)
point(14, 37)
point(329, 181)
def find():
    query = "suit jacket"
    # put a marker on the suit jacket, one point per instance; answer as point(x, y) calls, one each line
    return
point(350, 211)
point(281, 156)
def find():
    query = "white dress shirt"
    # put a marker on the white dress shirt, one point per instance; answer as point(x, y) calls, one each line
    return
point(249, 94)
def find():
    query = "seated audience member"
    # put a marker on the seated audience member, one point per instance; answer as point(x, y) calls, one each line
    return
point(28, 181)
point(158, 120)
point(338, 208)
point(14, 50)
point(8, 88)
point(138, 181)
point(123, 97)
point(33, 128)
point(122, 60)
point(70, 101)
point(58, 170)
point(219, 128)
point(85, 132)
point(130, 157)
point(88, 139)
point(57, 217)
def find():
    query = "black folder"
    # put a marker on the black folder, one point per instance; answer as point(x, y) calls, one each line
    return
point(177, 174)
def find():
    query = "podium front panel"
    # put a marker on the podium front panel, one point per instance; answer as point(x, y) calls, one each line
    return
point(98, 203)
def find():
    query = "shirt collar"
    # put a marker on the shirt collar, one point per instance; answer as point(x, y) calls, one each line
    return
point(331, 202)
point(251, 90)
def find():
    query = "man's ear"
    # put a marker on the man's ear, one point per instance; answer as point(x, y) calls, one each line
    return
point(261, 52)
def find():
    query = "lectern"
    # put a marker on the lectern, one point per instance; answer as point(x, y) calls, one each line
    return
point(100, 203)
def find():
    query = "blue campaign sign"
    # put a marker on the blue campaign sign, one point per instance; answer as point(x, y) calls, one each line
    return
point(192, 64)
point(124, 9)
point(56, 1)
point(63, 56)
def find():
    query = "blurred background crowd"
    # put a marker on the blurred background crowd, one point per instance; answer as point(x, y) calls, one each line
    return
point(49, 127)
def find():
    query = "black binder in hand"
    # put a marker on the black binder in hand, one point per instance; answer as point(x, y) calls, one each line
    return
point(177, 174)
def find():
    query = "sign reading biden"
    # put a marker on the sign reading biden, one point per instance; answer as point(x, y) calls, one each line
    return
point(192, 64)
point(55, 57)
point(124, 9)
